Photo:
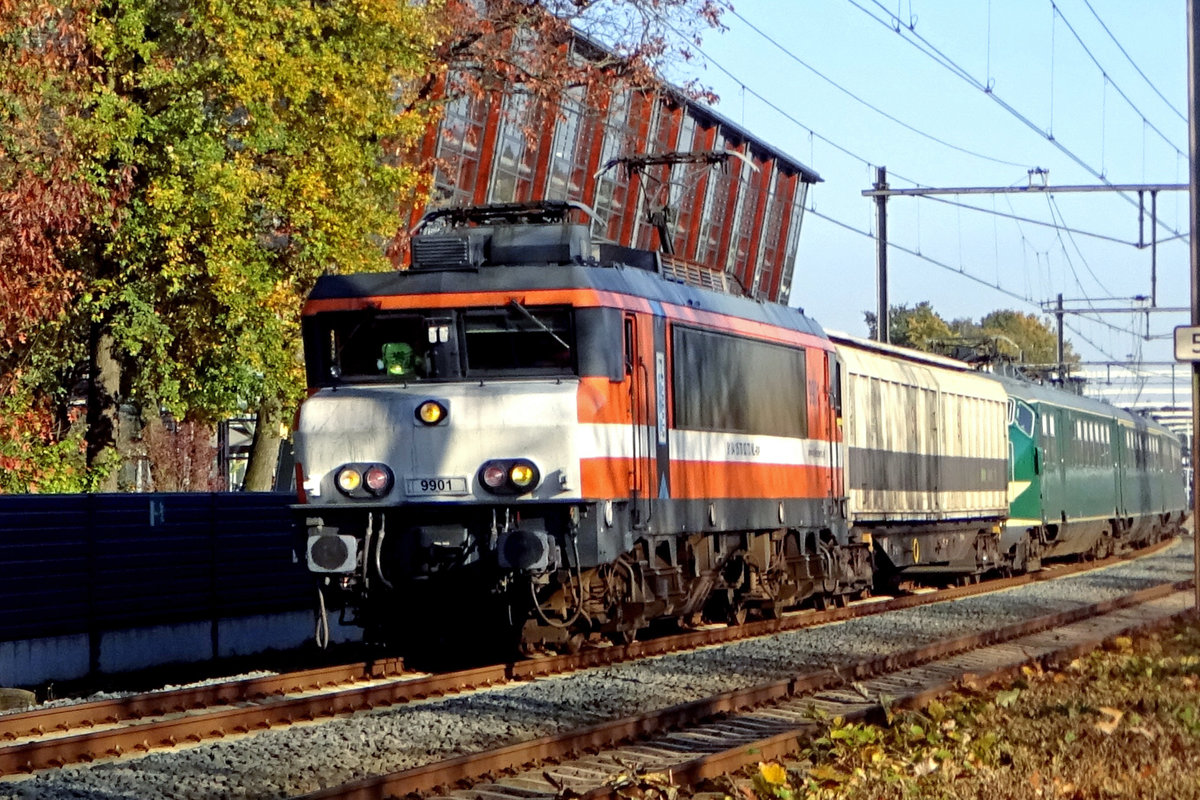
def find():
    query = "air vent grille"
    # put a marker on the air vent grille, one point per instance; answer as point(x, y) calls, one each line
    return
point(456, 250)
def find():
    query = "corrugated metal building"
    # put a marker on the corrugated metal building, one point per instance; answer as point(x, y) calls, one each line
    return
point(741, 218)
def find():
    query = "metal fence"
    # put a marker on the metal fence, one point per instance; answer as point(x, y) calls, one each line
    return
point(75, 564)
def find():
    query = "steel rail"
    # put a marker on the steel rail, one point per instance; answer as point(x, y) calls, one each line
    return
point(88, 731)
point(89, 714)
point(789, 743)
point(431, 778)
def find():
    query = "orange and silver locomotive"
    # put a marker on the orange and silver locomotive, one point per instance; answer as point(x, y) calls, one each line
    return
point(531, 435)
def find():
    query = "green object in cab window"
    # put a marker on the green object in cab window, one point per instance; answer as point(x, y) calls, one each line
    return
point(397, 358)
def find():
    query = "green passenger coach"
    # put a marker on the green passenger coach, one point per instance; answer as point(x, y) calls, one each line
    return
point(1085, 478)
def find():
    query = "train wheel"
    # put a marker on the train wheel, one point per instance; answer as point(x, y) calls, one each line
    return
point(773, 610)
point(1032, 546)
point(624, 636)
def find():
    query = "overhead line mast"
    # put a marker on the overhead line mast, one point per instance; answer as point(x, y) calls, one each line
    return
point(1193, 40)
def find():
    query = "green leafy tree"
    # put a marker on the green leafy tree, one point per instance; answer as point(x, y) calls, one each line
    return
point(269, 139)
point(1031, 334)
point(1012, 334)
point(915, 327)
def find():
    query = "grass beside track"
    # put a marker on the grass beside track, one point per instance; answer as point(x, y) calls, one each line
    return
point(1120, 722)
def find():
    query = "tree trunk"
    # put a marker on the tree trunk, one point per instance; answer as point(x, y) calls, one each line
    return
point(104, 388)
point(264, 450)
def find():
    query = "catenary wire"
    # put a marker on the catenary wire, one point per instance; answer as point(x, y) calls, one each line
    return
point(898, 176)
point(1145, 120)
point(730, 9)
point(1030, 220)
point(810, 209)
point(1133, 63)
point(1063, 228)
point(924, 46)
point(779, 110)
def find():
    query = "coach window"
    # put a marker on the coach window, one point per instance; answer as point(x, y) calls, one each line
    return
point(1022, 417)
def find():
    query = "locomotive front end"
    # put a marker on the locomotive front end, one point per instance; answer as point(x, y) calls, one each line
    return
point(437, 456)
point(395, 457)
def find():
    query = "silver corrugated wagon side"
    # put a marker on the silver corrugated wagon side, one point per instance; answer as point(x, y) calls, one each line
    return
point(926, 459)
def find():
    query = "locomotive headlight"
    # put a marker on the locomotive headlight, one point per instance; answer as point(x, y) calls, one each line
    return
point(510, 476)
point(348, 479)
point(378, 480)
point(364, 480)
point(493, 476)
point(522, 475)
point(431, 412)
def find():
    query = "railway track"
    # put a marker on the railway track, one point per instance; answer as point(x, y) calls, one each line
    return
point(721, 734)
point(87, 732)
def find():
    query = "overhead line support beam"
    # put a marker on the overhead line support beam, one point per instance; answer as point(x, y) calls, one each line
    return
point(1120, 187)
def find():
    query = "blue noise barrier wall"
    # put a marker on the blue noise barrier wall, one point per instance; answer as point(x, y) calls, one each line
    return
point(112, 582)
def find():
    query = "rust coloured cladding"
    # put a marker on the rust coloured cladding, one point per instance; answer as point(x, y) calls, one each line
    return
point(761, 229)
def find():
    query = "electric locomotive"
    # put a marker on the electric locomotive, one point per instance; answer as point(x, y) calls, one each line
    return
point(529, 438)
point(532, 436)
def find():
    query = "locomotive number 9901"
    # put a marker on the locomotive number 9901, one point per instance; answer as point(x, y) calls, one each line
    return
point(427, 486)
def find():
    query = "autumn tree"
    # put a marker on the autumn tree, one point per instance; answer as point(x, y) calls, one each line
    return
point(269, 144)
point(527, 45)
point(58, 187)
point(177, 175)
point(1009, 334)
point(276, 143)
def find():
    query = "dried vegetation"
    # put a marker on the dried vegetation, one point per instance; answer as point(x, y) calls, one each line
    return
point(1120, 722)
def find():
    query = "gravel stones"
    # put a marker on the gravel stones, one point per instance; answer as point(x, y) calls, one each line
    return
point(310, 756)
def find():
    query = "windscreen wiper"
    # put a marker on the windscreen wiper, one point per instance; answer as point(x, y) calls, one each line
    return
point(525, 312)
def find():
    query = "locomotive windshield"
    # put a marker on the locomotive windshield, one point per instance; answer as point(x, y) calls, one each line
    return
point(440, 345)
point(1021, 415)
point(517, 338)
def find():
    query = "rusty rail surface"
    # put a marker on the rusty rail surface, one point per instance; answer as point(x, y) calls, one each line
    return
point(52, 737)
point(472, 767)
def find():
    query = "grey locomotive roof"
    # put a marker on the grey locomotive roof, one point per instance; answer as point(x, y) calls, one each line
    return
point(516, 279)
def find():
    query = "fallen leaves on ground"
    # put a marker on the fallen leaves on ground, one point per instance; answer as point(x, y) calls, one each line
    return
point(1119, 722)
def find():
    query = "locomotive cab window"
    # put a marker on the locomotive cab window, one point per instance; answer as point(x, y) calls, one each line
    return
point(516, 340)
point(1022, 416)
point(382, 347)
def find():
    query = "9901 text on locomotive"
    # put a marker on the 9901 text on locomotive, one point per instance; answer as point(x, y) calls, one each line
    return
point(540, 439)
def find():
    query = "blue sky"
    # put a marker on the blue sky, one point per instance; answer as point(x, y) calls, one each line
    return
point(1026, 52)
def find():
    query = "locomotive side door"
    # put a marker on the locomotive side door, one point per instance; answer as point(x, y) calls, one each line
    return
point(658, 424)
point(641, 415)
point(833, 429)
